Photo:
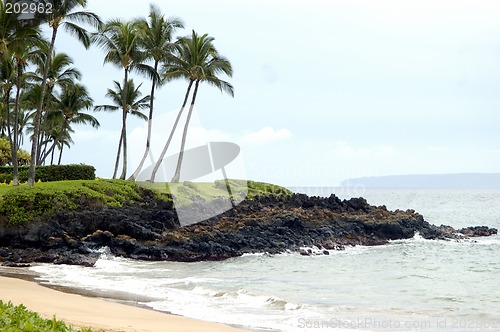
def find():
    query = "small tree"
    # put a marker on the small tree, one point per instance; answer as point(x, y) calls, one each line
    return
point(6, 154)
point(127, 99)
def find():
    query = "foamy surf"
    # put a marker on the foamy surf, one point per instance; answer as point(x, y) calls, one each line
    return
point(412, 284)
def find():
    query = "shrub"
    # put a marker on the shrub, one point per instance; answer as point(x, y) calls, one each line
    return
point(65, 172)
point(264, 189)
point(23, 157)
point(50, 173)
point(5, 178)
point(18, 318)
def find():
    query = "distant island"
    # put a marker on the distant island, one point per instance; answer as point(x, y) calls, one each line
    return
point(458, 180)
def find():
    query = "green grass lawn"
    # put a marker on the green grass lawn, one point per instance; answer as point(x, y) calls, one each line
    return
point(22, 204)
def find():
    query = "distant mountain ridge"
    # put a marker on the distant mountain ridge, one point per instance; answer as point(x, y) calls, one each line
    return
point(457, 180)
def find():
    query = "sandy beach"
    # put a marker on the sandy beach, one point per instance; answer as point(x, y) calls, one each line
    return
point(100, 314)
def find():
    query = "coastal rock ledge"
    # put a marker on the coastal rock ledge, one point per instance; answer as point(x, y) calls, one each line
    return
point(149, 229)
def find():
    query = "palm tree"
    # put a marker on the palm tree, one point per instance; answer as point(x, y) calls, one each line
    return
point(157, 43)
point(7, 78)
point(23, 57)
point(62, 15)
point(73, 100)
point(58, 139)
point(129, 100)
point(16, 43)
point(30, 99)
point(120, 40)
point(198, 61)
point(60, 73)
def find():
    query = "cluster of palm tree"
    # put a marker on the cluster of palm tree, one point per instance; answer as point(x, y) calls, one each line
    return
point(147, 47)
point(39, 88)
point(40, 93)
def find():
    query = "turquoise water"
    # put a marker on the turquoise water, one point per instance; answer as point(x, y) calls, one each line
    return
point(413, 284)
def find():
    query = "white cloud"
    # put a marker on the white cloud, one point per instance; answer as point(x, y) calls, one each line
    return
point(266, 135)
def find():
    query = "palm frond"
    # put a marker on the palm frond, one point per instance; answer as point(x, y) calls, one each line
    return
point(85, 17)
point(139, 115)
point(105, 108)
point(146, 70)
point(80, 33)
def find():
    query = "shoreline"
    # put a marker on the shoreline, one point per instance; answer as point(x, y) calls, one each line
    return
point(108, 311)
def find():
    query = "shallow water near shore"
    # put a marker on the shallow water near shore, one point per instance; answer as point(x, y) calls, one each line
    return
point(413, 284)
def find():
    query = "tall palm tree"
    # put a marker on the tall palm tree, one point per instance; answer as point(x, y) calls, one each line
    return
point(62, 15)
point(23, 57)
point(129, 100)
point(156, 40)
point(121, 42)
point(197, 61)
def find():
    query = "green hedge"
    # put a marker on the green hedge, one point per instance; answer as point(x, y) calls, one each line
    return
point(50, 173)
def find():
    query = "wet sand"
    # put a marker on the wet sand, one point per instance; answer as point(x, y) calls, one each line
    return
point(97, 313)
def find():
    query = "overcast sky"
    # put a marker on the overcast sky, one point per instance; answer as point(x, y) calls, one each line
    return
point(324, 89)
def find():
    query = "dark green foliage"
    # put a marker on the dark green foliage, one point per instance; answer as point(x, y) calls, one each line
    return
point(65, 172)
point(19, 319)
point(5, 178)
point(50, 173)
point(24, 204)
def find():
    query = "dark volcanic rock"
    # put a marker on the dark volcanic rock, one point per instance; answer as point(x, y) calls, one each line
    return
point(477, 231)
point(264, 224)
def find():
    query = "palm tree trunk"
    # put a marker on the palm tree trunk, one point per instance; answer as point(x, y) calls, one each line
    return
point(177, 174)
point(38, 115)
point(6, 102)
point(150, 125)
point(15, 161)
point(124, 123)
point(60, 154)
point(43, 153)
point(124, 141)
point(162, 155)
point(52, 154)
point(117, 162)
point(43, 127)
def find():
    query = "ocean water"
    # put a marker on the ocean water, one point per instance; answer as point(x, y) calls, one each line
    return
point(413, 284)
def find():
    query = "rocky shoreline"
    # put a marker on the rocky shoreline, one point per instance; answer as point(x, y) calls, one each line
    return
point(149, 229)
